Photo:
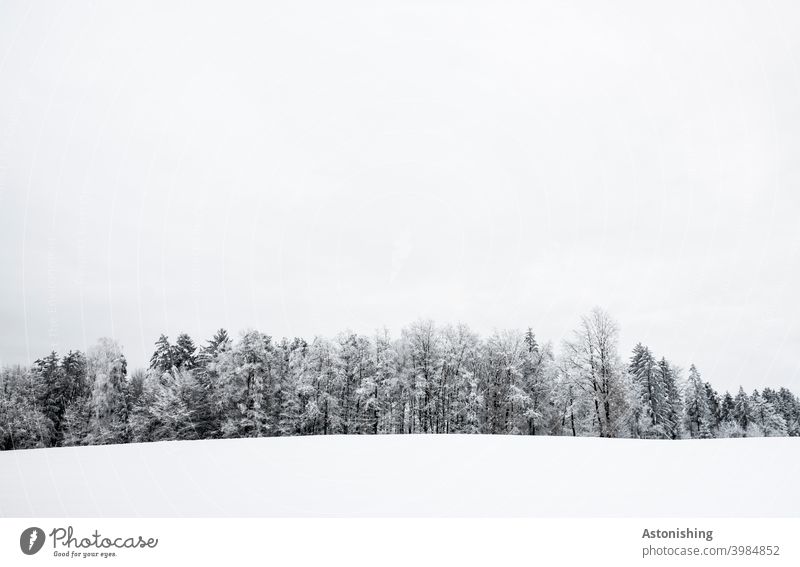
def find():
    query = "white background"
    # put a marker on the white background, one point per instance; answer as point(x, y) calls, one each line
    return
point(304, 542)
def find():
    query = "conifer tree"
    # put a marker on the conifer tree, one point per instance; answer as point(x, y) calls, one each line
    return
point(51, 392)
point(163, 357)
point(651, 390)
point(766, 419)
point(184, 352)
point(673, 404)
point(714, 407)
point(742, 411)
point(697, 416)
point(727, 408)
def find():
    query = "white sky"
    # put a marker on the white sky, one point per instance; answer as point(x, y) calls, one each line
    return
point(307, 167)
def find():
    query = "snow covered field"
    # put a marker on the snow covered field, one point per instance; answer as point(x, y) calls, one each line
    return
point(410, 475)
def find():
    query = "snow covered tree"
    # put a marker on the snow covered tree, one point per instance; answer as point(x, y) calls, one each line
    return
point(537, 383)
point(505, 398)
point(422, 360)
point(162, 359)
point(208, 413)
point(458, 402)
point(697, 417)
point(51, 391)
point(714, 408)
point(107, 373)
point(289, 358)
point(650, 407)
point(382, 394)
point(219, 342)
point(23, 424)
point(593, 367)
point(730, 428)
point(351, 360)
point(245, 378)
point(321, 412)
point(166, 409)
point(77, 411)
point(60, 383)
point(766, 420)
point(742, 410)
point(672, 412)
point(788, 406)
point(726, 408)
point(184, 352)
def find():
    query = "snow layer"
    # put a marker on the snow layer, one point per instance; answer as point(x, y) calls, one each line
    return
point(407, 475)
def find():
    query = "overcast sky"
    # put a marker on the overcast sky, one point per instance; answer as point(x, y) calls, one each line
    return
point(307, 167)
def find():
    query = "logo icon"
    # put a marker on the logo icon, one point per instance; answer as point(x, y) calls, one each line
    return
point(31, 540)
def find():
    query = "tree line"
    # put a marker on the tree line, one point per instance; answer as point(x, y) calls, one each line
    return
point(430, 379)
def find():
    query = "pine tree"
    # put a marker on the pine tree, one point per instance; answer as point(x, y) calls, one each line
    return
point(218, 342)
point(673, 404)
point(766, 420)
point(789, 408)
point(650, 388)
point(184, 352)
point(727, 408)
point(697, 417)
point(163, 357)
point(714, 408)
point(742, 412)
point(537, 383)
point(51, 392)
point(208, 415)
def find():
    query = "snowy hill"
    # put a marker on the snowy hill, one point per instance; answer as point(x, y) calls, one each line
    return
point(409, 475)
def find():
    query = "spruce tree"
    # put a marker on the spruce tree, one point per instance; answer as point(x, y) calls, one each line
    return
point(697, 417)
point(651, 388)
point(714, 407)
point(742, 411)
point(673, 408)
point(163, 357)
point(184, 352)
